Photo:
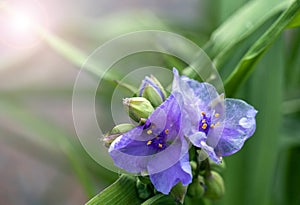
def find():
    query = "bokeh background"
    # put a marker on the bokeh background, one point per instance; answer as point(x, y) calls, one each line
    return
point(41, 158)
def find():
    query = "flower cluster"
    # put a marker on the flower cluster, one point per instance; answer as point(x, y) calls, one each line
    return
point(193, 115)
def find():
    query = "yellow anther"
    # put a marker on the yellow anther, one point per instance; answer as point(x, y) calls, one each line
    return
point(202, 113)
point(167, 131)
point(212, 125)
point(204, 126)
point(203, 121)
point(160, 145)
point(217, 124)
point(217, 115)
point(149, 142)
point(149, 132)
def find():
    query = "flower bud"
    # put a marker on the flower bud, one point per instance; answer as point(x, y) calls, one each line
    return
point(153, 91)
point(116, 132)
point(122, 128)
point(217, 167)
point(138, 108)
point(144, 190)
point(193, 165)
point(215, 186)
point(197, 188)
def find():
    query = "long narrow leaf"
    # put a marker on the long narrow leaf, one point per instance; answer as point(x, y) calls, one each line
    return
point(239, 26)
point(246, 65)
point(160, 199)
point(122, 192)
point(33, 123)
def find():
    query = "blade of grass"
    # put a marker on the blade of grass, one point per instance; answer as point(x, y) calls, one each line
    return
point(75, 56)
point(242, 24)
point(250, 59)
point(238, 27)
point(160, 199)
point(295, 22)
point(40, 127)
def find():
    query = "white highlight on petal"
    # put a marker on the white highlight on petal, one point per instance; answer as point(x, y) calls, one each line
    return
point(246, 123)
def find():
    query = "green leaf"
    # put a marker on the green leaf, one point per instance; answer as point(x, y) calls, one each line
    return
point(75, 56)
point(122, 192)
point(131, 89)
point(246, 65)
point(160, 199)
point(243, 23)
point(295, 22)
point(13, 109)
point(238, 27)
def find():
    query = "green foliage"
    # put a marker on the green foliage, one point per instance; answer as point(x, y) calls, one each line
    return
point(238, 27)
point(247, 63)
point(266, 171)
point(122, 192)
point(160, 199)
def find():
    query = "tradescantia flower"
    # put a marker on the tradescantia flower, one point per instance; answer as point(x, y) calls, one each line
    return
point(194, 111)
point(157, 148)
point(218, 126)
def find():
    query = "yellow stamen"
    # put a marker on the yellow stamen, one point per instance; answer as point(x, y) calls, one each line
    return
point(212, 125)
point(217, 124)
point(160, 145)
point(149, 132)
point(217, 115)
point(167, 131)
point(203, 121)
point(149, 142)
point(202, 113)
point(204, 126)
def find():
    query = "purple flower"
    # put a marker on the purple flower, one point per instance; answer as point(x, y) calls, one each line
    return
point(218, 126)
point(157, 148)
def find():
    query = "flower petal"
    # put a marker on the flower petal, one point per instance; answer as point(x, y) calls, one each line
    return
point(168, 157)
point(191, 113)
point(127, 153)
point(131, 151)
point(205, 92)
point(165, 180)
point(239, 125)
point(167, 116)
point(199, 140)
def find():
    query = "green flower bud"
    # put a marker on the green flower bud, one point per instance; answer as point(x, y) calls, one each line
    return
point(144, 190)
point(197, 188)
point(153, 91)
point(215, 186)
point(122, 128)
point(217, 167)
point(193, 165)
point(138, 108)
point(116, 132)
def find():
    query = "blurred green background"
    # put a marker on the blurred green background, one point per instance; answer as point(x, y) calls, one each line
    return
point(41, 159)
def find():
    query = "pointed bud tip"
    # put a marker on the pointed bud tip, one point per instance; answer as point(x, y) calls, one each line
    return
point(152, 89)
point(138, 108)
